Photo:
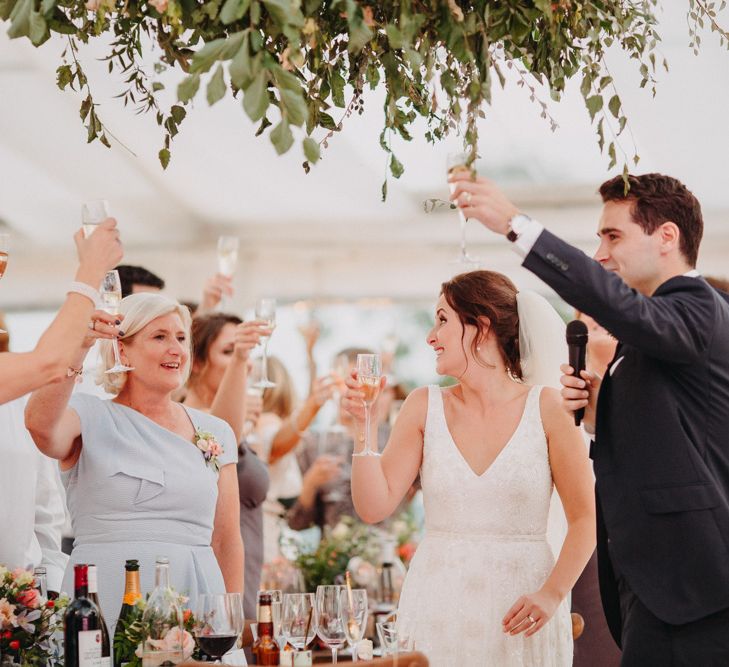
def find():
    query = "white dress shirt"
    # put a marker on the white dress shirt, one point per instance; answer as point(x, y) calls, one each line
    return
point(31, 500)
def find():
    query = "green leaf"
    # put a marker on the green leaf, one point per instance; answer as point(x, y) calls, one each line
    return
point(614, 106)
point(240, 69)
point(359, 36)
point(327, 122)
point(396, 168)
point(281, 137)
point(64, 76)
point(394, 36)
point(255, 97)
point(178, 113)
point(6, 8)
point(206, 57)
point(284, 12)
point(20, 19)
point(594, 104)
point(384, 190)
point(294, 106)
point(337, 83)
point(234, 10)
point(216, 87)
point(38, 29)
point(188, 88)
point(164, 157)
point(47, 6)
point(311, 150)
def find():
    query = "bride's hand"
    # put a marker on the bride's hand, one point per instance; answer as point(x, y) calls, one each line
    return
point(530, 613)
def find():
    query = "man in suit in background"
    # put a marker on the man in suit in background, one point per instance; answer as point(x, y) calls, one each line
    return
point(660, 415)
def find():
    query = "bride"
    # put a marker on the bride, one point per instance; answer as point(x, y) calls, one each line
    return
point(484, 587)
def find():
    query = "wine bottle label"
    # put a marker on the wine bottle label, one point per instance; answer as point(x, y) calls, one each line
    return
point(89, 648)
point(105, 662)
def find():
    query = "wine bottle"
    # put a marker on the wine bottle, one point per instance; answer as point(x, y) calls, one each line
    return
point(81, 625)
point(265, 649)
point(132, 593)
point(94, 597)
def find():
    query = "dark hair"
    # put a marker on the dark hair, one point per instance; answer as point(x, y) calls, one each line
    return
point(479, 294)
point(657, 199)
point(205, 331)
point(137, 275)
point(718, 283)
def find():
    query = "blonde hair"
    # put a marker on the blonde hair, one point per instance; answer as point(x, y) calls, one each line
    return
point(136, 312)
point(279, 399)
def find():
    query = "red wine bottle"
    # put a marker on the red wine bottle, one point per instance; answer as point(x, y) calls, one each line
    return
point(81, 625)
point(94, 597)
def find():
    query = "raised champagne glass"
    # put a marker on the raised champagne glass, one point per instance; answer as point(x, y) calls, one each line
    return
point(369, 371)
point(227, 259)
point(93, 213)
point(457, 164)
point(266, 311)
point(4, 249)
point(111, 295)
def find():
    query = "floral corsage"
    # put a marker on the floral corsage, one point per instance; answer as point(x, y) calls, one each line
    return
point(208, 444)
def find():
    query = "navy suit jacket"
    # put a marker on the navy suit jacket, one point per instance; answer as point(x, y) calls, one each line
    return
point(661, 448)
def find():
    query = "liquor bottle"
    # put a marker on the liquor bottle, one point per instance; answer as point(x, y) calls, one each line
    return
point(94, 597)
point(265, 649)
point(81, 625)
point(132, 593)
point(162, 614)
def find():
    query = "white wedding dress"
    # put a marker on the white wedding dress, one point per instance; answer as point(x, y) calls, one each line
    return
point(485, 545)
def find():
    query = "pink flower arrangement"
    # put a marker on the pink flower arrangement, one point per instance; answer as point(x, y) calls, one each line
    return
point(207, 443)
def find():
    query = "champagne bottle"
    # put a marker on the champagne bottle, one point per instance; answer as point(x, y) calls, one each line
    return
point(132, 593)
point(93, 580)
point(265, 649)
point(82, 625)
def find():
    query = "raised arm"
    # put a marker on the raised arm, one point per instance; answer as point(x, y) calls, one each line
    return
point(379, 483)
point(57, 347)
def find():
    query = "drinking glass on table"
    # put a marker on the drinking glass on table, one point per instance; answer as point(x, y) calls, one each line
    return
point(4, 249)
point(331, 621)
point(266, 310)
point(369, 371)
point(218, 623)
point(461, 163)
point(93, 213)
point(353, 604)
point(111, 295)
point(299, 619)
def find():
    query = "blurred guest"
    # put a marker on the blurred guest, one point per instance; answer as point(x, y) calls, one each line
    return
point(31, 496)
point(52, 358)
point(135, 279)
point(221, 345)
point(278, 432)
point(144, 475)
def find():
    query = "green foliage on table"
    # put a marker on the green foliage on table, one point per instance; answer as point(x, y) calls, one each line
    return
point(305, 63)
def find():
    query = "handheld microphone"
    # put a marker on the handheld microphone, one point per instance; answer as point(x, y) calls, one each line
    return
point(577, 345)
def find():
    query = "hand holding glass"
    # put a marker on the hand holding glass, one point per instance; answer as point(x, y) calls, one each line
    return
point(111, 295)
point(369, 372)
point(93, 213)
point(458, 163)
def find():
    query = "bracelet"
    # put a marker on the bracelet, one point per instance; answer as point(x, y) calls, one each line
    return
point(84, 289)
point(78, 372)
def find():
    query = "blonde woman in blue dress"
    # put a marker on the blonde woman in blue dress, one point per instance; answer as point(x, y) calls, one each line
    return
point(137, 480)
point(484, 587)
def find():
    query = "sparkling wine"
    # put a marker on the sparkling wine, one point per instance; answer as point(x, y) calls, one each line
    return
point(459, 170)
point(216, 646)
point(370, 387)
point(89, 228)
point(132, 593)
point(110, 301)
point(3, 263)
point(227, 261)
point(265, 649)
point(82, 625)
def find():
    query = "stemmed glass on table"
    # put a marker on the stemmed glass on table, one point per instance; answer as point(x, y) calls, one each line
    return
point(111, 295)
point(266, 310)
point(299, 619)
point(331, 621)
point(459, 163)
point(353, 605)
point(227, 259)
point(369, 372)
point(4, 248)
point(218, 623)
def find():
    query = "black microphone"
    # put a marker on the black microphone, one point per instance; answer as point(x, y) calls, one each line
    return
point(577, 345)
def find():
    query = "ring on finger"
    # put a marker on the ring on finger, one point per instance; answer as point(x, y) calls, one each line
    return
point(531, 618)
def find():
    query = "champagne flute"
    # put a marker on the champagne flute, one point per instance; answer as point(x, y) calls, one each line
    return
point(299, 620)
point(93, 213)
point(353, 604)
point(369, 370)
point(459, 163)
point(111, 295)
point(218, 623)
point(227, 260)
point(331, 622)
point(266, 310)
point(4, 248)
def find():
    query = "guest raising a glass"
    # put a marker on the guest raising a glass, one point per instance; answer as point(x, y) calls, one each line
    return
point(144, 476)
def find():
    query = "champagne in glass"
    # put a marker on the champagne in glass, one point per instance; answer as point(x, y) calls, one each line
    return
point(111, 294)
point(369, 371)
point(266, 311)
point(4, 248)
point(227, 254)
point(93, 213)
point(460, 163)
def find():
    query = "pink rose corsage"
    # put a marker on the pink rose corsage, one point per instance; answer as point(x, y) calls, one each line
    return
point(210, 447)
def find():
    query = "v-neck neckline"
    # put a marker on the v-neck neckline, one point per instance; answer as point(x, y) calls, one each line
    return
point(500, 452)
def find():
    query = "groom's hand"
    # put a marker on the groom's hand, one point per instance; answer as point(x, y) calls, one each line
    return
point(580, 392)
point(481, 200)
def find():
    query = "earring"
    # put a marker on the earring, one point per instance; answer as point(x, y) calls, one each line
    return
point(478, 348)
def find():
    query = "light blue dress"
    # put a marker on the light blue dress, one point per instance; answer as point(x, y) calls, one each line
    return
point(140, 491)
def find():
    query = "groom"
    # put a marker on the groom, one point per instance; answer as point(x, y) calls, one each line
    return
point(660, 416)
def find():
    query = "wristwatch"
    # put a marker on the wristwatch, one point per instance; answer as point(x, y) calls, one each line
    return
point(516, 226)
